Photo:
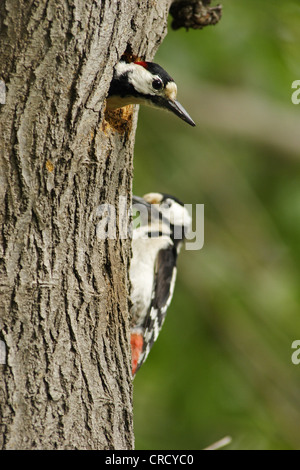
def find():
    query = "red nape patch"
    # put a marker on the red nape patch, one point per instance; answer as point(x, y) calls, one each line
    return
point(143, 64)
point(136, 342)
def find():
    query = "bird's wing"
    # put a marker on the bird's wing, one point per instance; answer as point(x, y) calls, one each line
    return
point(164, 282)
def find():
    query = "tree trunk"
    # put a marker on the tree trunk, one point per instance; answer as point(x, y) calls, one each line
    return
point(65, 378)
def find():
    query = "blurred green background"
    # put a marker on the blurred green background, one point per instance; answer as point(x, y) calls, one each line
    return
point(222, 364)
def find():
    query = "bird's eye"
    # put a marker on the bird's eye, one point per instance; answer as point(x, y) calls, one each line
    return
point(157, 84)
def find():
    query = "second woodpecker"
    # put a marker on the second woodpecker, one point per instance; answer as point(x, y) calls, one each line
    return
point(145, 83)
point(164, 223)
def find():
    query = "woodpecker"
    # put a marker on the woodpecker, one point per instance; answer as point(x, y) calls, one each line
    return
point(163, 224)
point(145, 83)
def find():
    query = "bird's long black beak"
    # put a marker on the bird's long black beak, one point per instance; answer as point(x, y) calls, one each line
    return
point(142, 207)
point(176, 108)
point(140, 200)
point(139, 203)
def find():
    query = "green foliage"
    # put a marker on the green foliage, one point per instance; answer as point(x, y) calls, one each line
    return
point(222, 365)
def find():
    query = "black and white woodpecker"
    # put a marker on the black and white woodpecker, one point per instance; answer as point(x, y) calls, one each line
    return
point(145, 83)
point(163, 224)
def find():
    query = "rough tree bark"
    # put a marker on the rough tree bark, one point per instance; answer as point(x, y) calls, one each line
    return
point(65, 380)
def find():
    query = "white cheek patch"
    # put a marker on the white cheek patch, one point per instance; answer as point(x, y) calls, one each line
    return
point(138, 76)
point(141, 79)
point(177, 215)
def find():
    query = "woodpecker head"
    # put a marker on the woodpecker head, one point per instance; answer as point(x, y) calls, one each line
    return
point(145, 83)
point(167, 211)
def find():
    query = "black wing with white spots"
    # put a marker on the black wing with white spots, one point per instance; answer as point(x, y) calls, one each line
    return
point(164, 281)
